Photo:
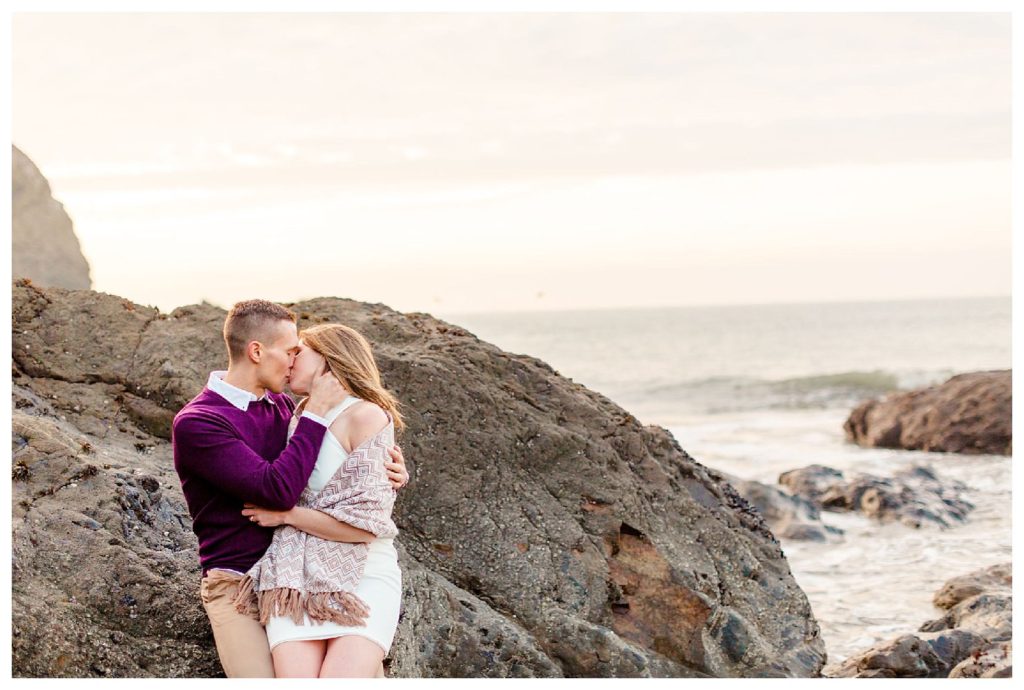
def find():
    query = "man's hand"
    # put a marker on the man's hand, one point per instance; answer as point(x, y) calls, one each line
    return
point(325, 393)
point(397, 473)
point(264, 517)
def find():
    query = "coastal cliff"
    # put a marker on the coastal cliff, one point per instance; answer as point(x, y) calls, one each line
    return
point(545, 531)
point(43, 242)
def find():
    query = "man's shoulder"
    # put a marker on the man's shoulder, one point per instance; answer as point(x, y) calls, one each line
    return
point(205, 406)
point(284, 399)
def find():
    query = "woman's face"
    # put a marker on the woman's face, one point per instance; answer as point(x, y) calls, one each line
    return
point(308, 363)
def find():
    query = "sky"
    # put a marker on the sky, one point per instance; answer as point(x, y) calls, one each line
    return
point(456, 163)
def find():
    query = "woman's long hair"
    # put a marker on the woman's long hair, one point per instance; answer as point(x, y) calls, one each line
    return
point(350, 359)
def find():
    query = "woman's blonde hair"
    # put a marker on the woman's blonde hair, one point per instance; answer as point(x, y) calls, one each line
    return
point(350, 358)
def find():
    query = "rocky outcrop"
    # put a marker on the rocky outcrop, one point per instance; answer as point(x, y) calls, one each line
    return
point(789, 517)
point(545, 531)
point(994, 661)
point(996, 579)
point(914, 496)
point(972, 640)
point(969, 413)
point(44, 246)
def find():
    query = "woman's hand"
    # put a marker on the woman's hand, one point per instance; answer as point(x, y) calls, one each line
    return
point(397, 473)
point(264, 517)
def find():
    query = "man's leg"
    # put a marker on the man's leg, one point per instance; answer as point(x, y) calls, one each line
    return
point(241, 640)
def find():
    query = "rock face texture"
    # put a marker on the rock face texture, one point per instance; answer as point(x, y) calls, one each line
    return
point(972, 640)
point(914, 496)
point(45, 248)
point(545, 531)
point(969, 413)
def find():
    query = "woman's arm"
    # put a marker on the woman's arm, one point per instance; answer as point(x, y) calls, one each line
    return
point(315, 522)
point(322, 525)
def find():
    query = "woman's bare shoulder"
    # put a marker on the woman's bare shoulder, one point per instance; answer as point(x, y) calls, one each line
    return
point(359, 423)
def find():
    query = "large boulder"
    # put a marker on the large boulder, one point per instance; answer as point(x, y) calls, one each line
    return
point(44, 245)
point(545, 531)
point(969, 413)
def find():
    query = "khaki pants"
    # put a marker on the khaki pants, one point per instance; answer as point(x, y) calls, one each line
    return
point(241, 641)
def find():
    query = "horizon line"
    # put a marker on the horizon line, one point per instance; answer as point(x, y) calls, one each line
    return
point(713, 305)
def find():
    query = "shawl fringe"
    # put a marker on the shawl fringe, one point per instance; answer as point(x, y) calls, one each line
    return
point(343, 608)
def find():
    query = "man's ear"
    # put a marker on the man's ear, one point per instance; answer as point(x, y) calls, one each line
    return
point(254, 350)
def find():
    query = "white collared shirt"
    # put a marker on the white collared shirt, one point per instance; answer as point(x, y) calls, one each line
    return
point(241, 398)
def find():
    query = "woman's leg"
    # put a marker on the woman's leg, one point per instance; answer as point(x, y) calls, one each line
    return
point(299, 659)
point(352, 656)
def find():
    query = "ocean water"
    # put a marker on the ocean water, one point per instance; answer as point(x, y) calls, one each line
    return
point(758, 390)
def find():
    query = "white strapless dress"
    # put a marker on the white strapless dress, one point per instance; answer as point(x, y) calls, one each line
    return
point(381, 584)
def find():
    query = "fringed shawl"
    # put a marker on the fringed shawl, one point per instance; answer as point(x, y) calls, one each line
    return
point(304, 574)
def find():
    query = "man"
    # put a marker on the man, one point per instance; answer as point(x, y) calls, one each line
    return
point(231, 448)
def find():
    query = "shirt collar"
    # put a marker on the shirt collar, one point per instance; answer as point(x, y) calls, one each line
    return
point(236, 396)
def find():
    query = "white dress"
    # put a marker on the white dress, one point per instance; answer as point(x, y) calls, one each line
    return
point(381, 584)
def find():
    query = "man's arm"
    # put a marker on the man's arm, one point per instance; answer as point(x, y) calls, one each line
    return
point(396, 470)
point(209, 448)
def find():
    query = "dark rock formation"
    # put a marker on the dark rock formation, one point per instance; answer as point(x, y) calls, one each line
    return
point(973, 639)
point(44, 246)
point(913, 496)
point(921, 655)
point(969, 413)
point(789, 517)
point(545, 532)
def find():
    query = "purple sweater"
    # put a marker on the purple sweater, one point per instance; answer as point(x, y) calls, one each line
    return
point(226, 457)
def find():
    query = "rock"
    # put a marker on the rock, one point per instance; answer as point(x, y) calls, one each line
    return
point(545, 531)
point(972, 640)
point(992, 662)
point(44, 245)
point(789, 517)
point(811, 482)
point(913, 496)
point(912, 656)
point(969, 413)
point(988, 614)
point(997, 578)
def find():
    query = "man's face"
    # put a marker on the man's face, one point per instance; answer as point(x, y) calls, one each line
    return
point(278, 355)
point(307, 364)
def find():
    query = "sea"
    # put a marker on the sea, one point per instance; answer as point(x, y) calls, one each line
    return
point(755, 390)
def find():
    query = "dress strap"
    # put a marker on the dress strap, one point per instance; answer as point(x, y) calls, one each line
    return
point(345, 404)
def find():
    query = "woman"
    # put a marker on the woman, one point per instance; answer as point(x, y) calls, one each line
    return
point(329, 588)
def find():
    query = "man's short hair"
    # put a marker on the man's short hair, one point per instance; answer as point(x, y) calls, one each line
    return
point(251, 320)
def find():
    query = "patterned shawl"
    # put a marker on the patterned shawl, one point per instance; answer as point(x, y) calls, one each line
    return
point(304, 574)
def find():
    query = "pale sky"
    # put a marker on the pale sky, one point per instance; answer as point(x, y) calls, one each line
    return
point(460, 162)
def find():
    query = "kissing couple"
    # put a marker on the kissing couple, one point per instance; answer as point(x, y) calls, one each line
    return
point(291, 503)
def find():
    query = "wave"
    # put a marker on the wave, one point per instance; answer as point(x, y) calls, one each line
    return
point(820, 391)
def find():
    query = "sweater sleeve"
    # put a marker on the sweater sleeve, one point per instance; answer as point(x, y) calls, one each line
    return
point(210, 448)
